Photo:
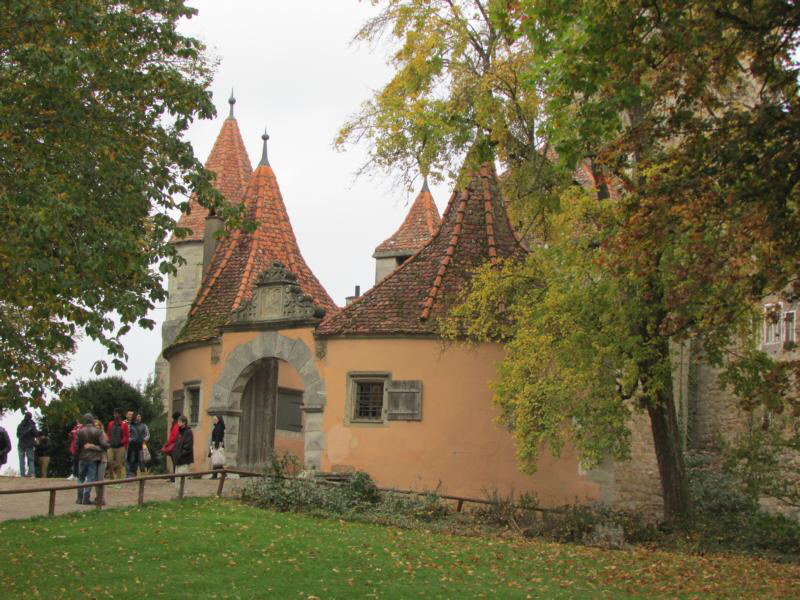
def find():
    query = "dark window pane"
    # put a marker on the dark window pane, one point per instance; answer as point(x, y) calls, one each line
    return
point(194, 406)
point(369, 400)
point(290, 414)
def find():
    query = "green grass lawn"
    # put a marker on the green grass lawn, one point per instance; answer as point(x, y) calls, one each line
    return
point(210, 548)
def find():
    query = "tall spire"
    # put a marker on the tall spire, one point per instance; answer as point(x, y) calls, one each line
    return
point(264, 159)
point(231, 101)
point(229, 162)
point(418, 227)
point(241, 258)
point(475, 229)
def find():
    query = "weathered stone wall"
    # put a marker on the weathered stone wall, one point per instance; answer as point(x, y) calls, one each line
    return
point(182, 289)
point(635, 484)
point(715, 414)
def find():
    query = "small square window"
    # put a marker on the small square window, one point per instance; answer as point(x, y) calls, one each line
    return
point(368, 403)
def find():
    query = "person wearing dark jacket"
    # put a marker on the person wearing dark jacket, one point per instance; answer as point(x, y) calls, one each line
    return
point(217, 450)
point(43, 454)
point(5, 446)
point(90, 445)
point(183, 452)
point(137, 431)
point(26, 445)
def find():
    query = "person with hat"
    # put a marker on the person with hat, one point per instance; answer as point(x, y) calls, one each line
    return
point(90, 445)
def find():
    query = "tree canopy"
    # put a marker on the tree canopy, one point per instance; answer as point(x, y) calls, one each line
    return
point(94, 98)
point(681, 117)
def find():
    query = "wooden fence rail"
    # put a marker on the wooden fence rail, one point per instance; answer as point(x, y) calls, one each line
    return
point(223, 473)
point(52, 490)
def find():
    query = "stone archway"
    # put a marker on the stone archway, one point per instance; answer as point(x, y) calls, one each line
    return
point(226, 395)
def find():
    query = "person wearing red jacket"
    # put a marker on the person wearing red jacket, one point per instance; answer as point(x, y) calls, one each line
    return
point(72, 435)
point(118, 436)
point(170, 445)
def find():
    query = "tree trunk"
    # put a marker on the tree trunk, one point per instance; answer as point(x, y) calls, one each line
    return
point(669, 453)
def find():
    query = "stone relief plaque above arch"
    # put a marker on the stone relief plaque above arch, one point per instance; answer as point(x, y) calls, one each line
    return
point(226, 394)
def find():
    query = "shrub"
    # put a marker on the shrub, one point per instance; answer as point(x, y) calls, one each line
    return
point(715, 490)
point(357, 498)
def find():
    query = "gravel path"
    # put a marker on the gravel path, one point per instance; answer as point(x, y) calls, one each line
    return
point(22, 506)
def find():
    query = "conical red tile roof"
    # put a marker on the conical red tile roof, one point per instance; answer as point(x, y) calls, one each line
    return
point(418, 227)
point(229, 161)
point(241, 257)
point(475, 229)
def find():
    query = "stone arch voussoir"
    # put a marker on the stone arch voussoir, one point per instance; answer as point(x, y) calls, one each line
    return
point(226, 393)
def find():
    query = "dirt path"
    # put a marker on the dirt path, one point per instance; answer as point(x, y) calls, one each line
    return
point(22, 506)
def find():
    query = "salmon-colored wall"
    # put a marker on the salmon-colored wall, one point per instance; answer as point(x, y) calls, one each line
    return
point(194, 364)
point(456, 444)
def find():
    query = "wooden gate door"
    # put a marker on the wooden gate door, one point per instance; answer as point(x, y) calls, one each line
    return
point(257, 423)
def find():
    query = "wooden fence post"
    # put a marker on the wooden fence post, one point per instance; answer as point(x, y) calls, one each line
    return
point(221, 484)
point(140, 499)
point(180, 488)
point(51, 511)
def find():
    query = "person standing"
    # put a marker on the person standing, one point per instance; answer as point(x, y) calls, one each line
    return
point(169, 446)
point(183, 452)
point(133, 457)
point(5, 446)
point(217, 450)
point(43, 454)
point(89, 447)
point(26, 445)
point(74, 457)
point(118, 434)
point(100, 490)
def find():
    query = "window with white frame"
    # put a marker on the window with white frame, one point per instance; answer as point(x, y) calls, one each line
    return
point(788, 327)
point(772, 323)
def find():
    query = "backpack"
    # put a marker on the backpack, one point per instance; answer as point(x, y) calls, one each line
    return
point(115, 439)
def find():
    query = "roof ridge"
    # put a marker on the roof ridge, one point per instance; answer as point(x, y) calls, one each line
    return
point(447, 258)
point(488, 217)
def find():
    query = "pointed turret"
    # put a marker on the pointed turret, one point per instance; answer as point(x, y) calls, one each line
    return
point(229, 162)
point(244, 262)
point(475, 229)
point(418, 227)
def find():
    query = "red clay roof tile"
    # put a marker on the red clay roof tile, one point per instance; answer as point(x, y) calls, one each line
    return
point(242, 256)
point(419, 225)
point(229, 161)
point(475, 229)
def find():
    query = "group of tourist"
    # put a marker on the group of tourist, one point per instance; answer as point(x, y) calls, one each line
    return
point(97, 450)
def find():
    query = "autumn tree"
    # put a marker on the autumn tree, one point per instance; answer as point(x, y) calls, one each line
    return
point(94, 98)
point(683, 118)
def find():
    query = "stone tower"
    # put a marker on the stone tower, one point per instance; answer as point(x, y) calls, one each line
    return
point(228, 160)
point(419, 226)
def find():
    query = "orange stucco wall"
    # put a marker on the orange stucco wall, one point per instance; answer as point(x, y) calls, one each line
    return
point(456, 446)
point(195, 364)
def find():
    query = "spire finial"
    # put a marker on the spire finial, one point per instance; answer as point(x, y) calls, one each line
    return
point(425, 187)
point(231, 101)
point(264, 159)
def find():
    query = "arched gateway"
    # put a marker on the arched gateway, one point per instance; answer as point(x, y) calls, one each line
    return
point(249, 372)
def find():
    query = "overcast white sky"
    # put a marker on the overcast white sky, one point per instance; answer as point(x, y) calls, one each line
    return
point(295, 72)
